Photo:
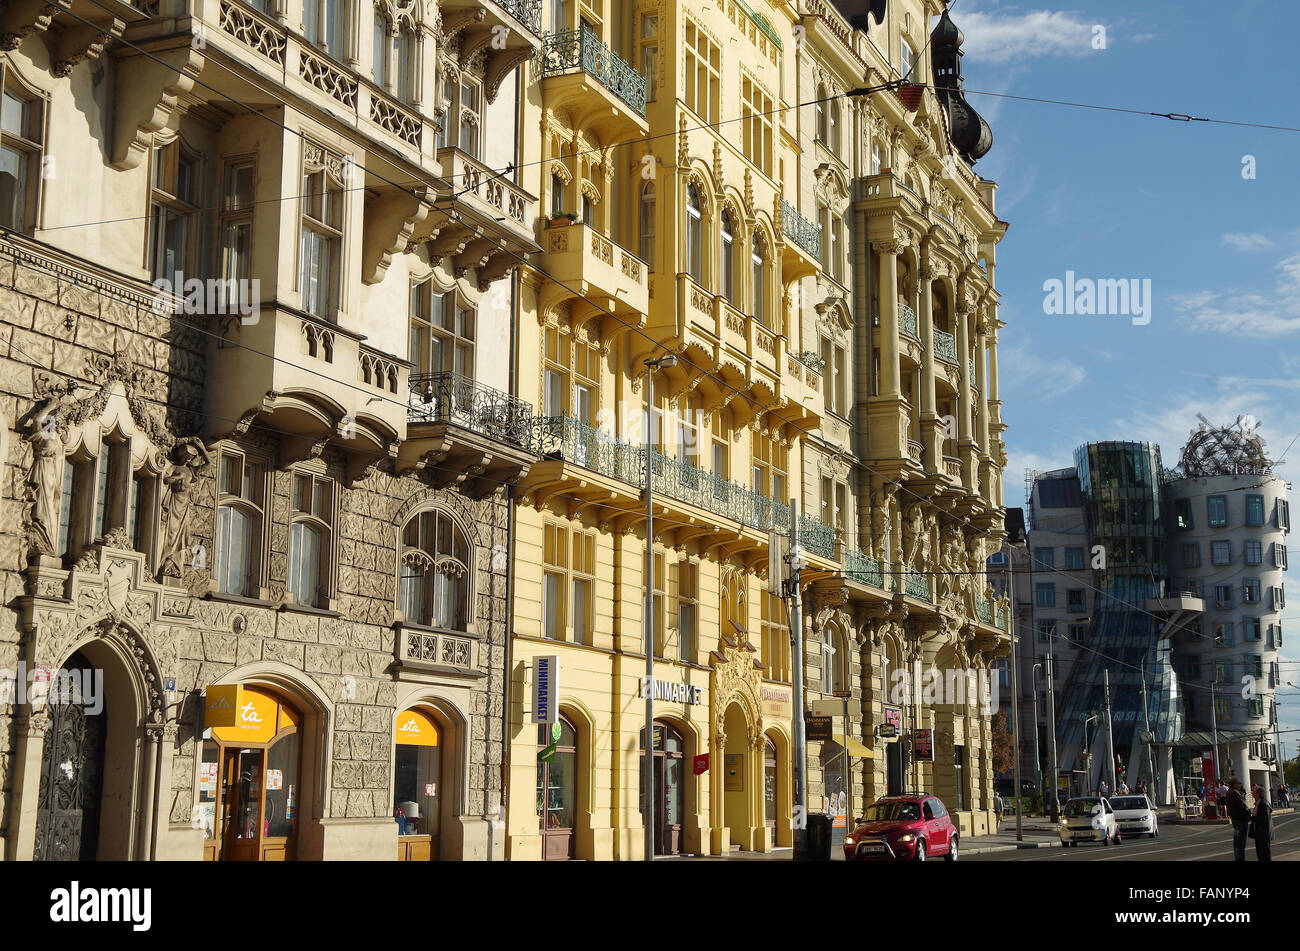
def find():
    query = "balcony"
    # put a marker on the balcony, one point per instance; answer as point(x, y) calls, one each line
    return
point(574, 65)
point(435, 651)
point(863, 568)
point(312, 381)
point(818, 538)
point(490, 197)
point(581, 258)
point(562, 438)
point(803, 252)
point(945, 347)
point(803, 390)
point(465, 432)
point(907, 322)
point(917, 586)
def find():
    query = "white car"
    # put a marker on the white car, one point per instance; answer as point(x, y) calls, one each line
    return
point(1089, 819)
point(1135, 815)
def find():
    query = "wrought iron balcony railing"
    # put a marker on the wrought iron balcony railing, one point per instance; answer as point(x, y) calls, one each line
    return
point(582, 49)
point(907, 321)
point(863, 568)
point(592, 449)
point(917, 586)
point(945, 346)
point(527, 12)
point(816, 537)
point(984, 608)
point(452, 398)
point(804, 233)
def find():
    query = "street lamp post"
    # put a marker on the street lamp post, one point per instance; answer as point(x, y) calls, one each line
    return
point(648, 641)
point(1038, 759)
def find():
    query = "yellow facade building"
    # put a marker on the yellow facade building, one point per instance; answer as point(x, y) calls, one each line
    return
point(824, 276)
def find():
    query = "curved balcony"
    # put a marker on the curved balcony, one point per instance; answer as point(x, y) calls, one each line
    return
point(584, 76)
point(580, 257)
point(945, 347)
point(907, 322)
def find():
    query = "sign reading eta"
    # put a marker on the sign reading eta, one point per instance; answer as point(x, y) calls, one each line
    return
point(546, 702)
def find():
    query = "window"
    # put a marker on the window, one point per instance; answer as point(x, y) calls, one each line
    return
point(688, 610)
point(22, 137)
point(1046, 630)
point(770, 457)
point(1253, 551)
point(1073, 559)
point(835, 373)
point(1283, 515)
point(1223, 596)
point(703, 69)
point(906, 56)
point(1221, 553)
point(569, 557)
point(393, 54)
point(435, 572)
point(876, 163)
point(379, 54)
point(1191, 554)
point(1251, 628)
point(1217, 510)
point(1277, 597)
point(1223, 635)
point(559, 15)
point(1279, 555)
point(756, 122)
point(322, 236)
point(1256, 706)
point(309, 539)
point(694, 234)
point(646, 225)
point(649, 47)
point(832, 136)
point(173, 214)
point(1044, 558)
point(1183, 510)
point(1254, 510)
point(1192, 587)
point(1045, 595)
point(1250, 590)
point(237, 225)
point(834, 507)
point(720, 460)
point(1074, 600)
point(239, 524)
point(727, 258)
point(322, 24)
point(758, 262)
point(776, 637)
point(1221, 708)
point(441, 332)
point(834, 660)
point(468, 118)
point(571, 378)
point(557, 194)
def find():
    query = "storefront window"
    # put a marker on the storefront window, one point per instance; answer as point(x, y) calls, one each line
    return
point(417, 781)
point(555, 776)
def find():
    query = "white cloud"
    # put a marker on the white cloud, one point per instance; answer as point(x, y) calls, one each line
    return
point(1044, 376)
point(1248, 312)
point(1245, 242)
point(1006, 37)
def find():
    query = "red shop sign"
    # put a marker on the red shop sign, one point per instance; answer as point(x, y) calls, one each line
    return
point(700, 763)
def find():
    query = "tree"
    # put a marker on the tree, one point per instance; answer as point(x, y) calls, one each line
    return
point(1004, 752)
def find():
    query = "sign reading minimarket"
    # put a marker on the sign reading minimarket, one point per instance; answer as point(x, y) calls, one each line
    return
point(546, 689)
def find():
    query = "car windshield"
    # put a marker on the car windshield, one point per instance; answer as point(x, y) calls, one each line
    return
point(1129, 802)
point(892, 812)
point(1081, 807)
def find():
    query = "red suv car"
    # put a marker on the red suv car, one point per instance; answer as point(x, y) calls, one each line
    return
point(908, 828)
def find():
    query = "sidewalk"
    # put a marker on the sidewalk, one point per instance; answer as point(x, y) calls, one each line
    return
point(1038, 834)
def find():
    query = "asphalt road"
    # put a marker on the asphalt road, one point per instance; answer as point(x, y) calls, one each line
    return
point(1176, 843)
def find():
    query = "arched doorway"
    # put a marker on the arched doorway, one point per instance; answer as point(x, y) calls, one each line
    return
point(250, 774)
point(72, 764)
point(557, 802)
point(419, 788)
point(670, 786)
point(771, 787)
point(736, 786)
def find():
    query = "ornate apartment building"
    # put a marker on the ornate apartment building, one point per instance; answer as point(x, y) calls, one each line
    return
point(257, 302)
point(823, 276)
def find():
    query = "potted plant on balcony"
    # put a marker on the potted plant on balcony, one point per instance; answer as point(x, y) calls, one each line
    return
point(562, 219)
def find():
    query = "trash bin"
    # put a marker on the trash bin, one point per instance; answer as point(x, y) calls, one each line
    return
point(817, 838)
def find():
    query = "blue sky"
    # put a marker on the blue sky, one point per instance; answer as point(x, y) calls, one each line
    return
point(1118, 196)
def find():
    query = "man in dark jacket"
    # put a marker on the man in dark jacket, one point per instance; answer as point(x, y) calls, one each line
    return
point(1262, 823)
point(1239, 813)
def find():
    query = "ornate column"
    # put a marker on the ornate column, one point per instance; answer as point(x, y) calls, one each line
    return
point(148, 801)
point(965, 438)
point(888, 285)
point(982, 407)
point(931, 428)
point(25, 784)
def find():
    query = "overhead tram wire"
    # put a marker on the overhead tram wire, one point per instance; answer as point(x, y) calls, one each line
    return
point(717, 378)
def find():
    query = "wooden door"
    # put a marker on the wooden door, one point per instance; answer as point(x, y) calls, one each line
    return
point(241, 805)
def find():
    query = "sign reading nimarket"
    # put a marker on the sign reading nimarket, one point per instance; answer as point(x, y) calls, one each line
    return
point(674, 693)
point(546, 689)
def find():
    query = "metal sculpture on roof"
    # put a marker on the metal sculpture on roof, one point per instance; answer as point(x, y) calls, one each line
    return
point(1236, 449)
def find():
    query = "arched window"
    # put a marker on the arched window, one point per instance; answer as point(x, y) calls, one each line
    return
point(694, 235)
point(833, 125)
point(733, 607)
point(821, 112)
point(728, 259)
point(435, 560)
point(324, 25)
point(834, 660)
point(393, 54)
point(557, 801)
point(758, 260)
point(646, 225)
point(876, 164)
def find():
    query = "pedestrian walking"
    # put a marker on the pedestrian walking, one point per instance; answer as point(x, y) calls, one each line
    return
point(1104, 789)
point(1239, 813)
point(1221, 799)
point(1262, 827)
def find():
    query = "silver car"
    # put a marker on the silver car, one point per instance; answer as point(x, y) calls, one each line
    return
point(1089, 819)
point(1135, 815)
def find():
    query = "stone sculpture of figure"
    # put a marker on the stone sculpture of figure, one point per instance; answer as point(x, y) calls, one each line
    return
point(915, 531)
point(189, 457)
point(45, 482)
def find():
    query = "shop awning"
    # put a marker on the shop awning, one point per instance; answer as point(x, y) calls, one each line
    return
point(856, 748)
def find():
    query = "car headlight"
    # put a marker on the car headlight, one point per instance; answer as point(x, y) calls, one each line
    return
point(848, 840)
point(906, 838)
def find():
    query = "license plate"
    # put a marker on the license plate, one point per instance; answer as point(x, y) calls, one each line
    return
point(871, 848)
point(1083, 835)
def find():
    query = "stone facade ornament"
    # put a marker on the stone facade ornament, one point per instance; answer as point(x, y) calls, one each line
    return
point(47, 425)
point(189, 458)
